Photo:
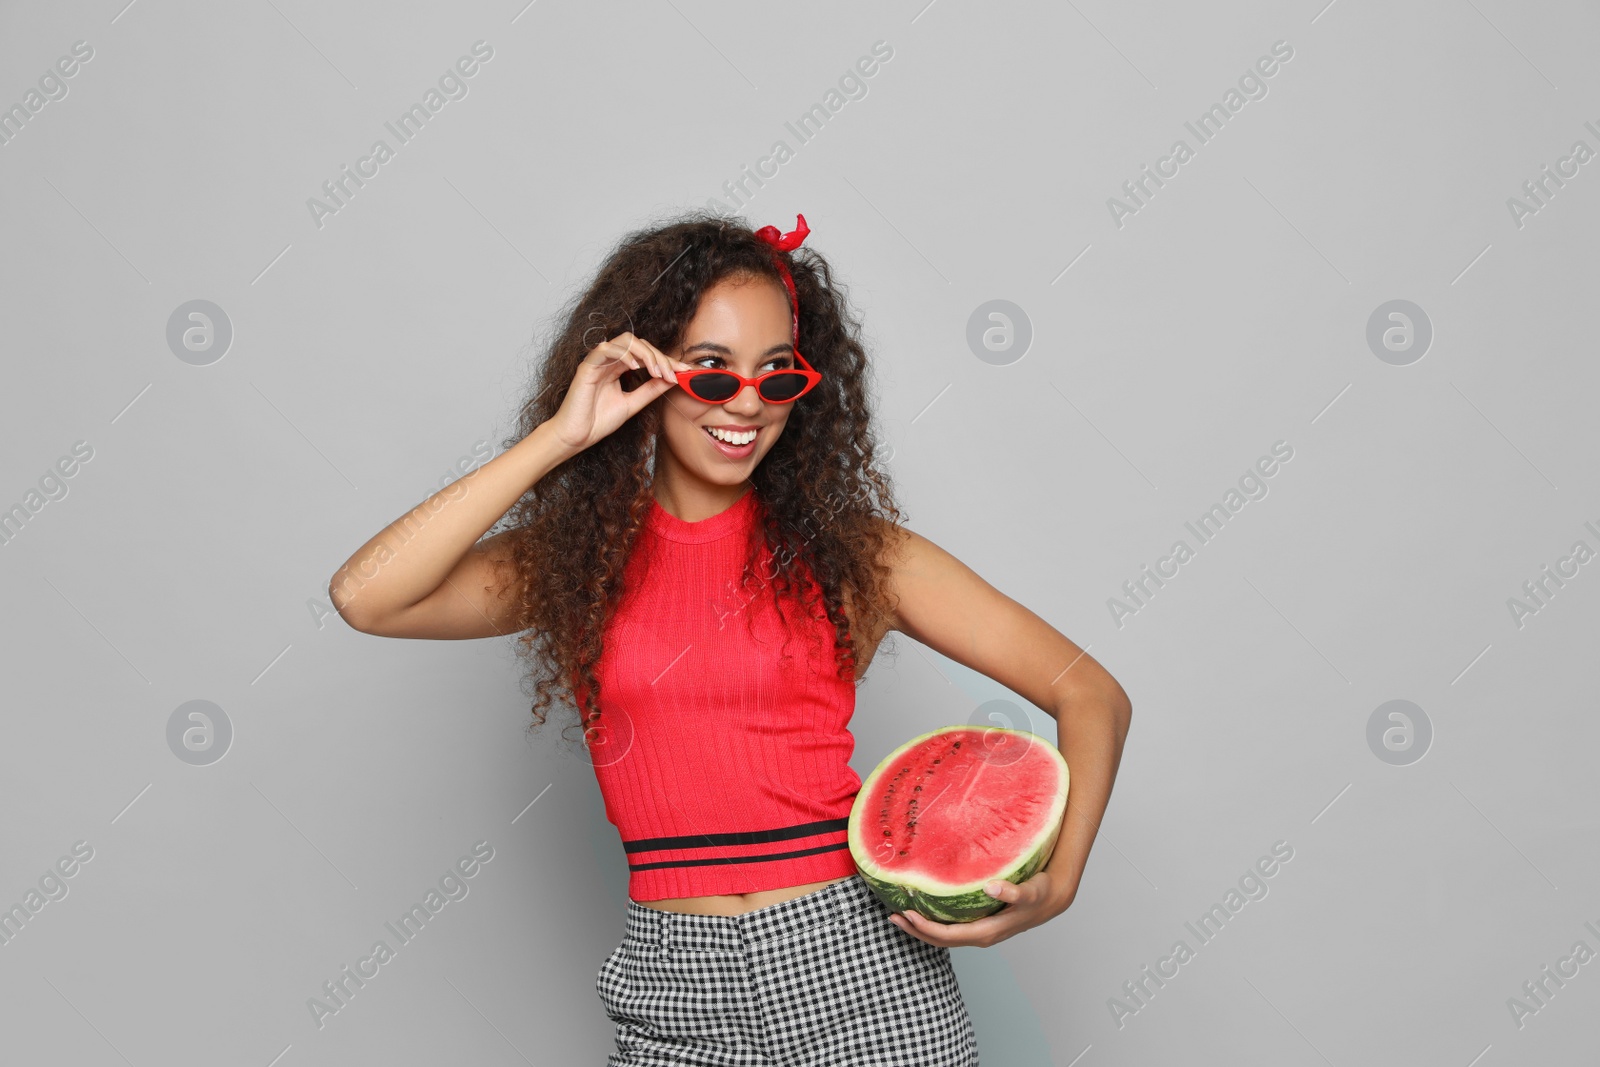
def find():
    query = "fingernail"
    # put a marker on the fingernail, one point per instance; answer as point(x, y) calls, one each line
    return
point(993, 889)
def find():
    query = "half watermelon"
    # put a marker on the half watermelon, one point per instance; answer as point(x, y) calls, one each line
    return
point(950, 811)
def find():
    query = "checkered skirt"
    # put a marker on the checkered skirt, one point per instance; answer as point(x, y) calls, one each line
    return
point(822, 980)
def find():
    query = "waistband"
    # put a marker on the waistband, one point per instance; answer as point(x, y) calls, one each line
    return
point(837, 903)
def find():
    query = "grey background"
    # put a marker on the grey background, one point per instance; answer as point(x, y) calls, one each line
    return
point(188, 555)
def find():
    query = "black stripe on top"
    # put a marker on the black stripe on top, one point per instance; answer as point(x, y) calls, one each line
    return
point(740, 859)
point(743, 837)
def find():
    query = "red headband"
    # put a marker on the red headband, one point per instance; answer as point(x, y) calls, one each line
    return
point(787, 243)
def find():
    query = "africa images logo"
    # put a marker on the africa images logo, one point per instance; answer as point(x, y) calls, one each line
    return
point(453, 886)
point(1252, 85)
point(453, 85)
point(1205, 528)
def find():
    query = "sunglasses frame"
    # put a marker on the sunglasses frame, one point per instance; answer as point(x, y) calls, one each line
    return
point(812, 376)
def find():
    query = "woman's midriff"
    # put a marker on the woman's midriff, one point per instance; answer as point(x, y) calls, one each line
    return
point(736, 903)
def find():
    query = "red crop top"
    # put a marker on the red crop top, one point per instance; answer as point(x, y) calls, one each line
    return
point(722, 754)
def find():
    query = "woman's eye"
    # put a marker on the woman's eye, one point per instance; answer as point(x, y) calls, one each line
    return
point(776, 363)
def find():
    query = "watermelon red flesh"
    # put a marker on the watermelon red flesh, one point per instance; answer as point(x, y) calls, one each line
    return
point(950, 811)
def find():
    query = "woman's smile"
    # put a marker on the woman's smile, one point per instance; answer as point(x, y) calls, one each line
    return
point(733, 441)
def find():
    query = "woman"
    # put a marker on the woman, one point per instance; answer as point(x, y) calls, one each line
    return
point(703, 566)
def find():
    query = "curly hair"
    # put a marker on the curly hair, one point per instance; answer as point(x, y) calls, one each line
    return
point(828, 507)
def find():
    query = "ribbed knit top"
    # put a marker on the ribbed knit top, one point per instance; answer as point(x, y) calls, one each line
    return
point(723, 742)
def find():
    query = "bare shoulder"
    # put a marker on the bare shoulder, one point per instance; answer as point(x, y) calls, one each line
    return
point(944, 604)
point(911, 559)
point(937, 597)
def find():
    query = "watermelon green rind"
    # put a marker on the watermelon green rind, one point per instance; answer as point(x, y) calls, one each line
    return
point(943, 901)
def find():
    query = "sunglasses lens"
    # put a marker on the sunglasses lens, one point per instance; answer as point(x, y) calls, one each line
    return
point(714, 388)
point(779, 387)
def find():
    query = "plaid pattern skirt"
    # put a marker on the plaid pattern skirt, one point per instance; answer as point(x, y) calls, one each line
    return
point(822, 980)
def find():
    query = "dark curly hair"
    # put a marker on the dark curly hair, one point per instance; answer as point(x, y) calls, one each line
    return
point(828, 505)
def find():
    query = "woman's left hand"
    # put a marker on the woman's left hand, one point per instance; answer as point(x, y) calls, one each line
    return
point(1032, 903)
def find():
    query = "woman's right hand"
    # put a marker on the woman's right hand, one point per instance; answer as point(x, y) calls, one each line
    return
point(595, 404)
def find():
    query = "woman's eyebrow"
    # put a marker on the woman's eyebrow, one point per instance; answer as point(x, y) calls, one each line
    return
point(724, 350)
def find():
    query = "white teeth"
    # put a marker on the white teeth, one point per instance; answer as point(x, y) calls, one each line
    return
point(731, 438)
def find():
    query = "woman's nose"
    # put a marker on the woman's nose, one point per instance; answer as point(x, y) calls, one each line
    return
point(749, 400)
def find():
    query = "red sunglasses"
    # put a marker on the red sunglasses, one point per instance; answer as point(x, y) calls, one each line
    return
point(712, 385)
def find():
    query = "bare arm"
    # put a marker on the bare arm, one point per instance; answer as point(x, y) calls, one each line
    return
point(427, 574)
point(952, 610)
